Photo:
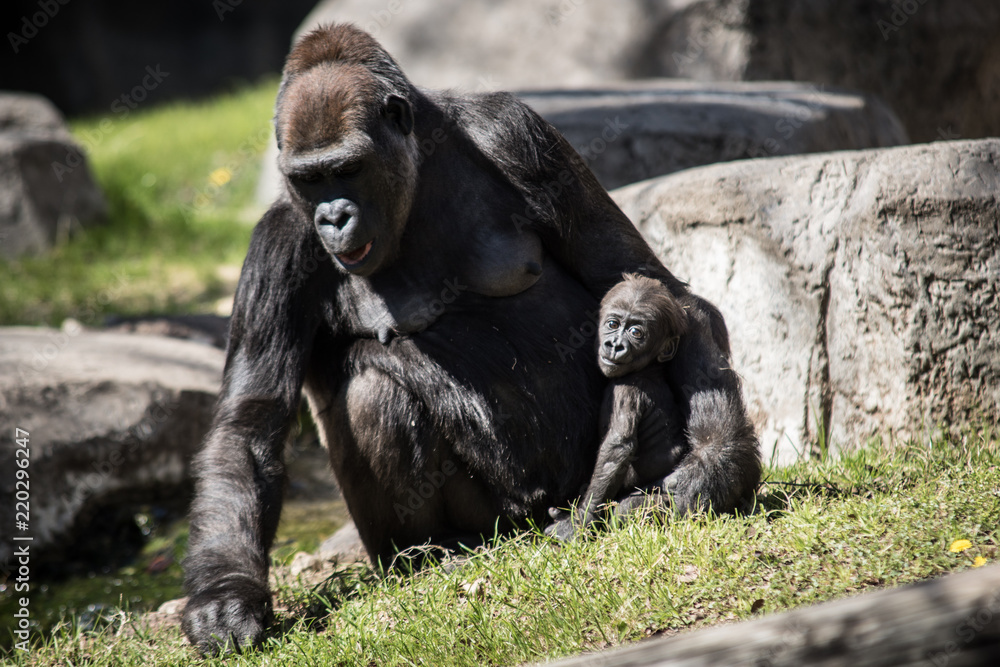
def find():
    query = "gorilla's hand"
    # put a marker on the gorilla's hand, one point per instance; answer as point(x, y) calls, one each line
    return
point(228, 617)
point(563, 530)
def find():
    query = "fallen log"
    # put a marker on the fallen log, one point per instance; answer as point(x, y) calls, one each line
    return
point(948, 622)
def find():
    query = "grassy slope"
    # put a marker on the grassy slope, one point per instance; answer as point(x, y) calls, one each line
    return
point(825, 530)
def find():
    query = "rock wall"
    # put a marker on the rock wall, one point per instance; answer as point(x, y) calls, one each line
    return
point(861, 289)
point(937, 64)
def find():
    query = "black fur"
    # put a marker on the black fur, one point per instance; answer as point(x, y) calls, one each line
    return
point(644, 447)
point(438, 314)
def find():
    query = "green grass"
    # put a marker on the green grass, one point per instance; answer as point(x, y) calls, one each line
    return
point(875, 518)
point(179, 181)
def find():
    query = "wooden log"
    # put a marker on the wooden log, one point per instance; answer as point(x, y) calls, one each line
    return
point(948, 622)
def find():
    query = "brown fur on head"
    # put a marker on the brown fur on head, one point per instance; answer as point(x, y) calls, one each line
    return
point(651, 298)
point(344, 121)
point(335, 79)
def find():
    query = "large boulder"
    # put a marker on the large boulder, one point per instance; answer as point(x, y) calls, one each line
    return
point(112, 419)
point(631, 131)
point(861, 289)
point(46, 189)
point(936, 63)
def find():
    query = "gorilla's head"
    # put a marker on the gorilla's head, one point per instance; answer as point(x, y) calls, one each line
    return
point(344, 123)
point(640, 321)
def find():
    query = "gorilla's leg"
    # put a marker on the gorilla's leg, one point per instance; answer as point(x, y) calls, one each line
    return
point(402, 483)
point(722, 468)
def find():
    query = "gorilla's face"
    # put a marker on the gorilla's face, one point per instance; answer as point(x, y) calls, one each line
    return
point(350, 164)
point(641, 322)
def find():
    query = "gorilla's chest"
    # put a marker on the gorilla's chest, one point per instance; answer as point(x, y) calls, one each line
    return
point(476, 264)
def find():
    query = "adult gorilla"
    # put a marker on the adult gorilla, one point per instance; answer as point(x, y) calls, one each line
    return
point(431, 279)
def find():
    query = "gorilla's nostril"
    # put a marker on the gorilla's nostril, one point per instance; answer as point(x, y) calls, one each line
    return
point(342, 220)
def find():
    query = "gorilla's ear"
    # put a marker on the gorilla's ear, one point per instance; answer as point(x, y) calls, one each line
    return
point(669, 349)
point(399, 112)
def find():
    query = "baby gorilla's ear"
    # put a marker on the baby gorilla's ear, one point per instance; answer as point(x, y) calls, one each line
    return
point(669, 349)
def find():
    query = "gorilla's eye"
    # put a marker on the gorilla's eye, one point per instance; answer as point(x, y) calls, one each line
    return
point(348, 169)
point(612, 324)
point(310, 177)
point(636, 332)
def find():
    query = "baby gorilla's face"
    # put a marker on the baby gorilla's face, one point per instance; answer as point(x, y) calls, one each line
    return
point(625, 343)
point(640, 322)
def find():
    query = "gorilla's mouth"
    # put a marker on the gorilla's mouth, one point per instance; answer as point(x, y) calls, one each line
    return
point(355, 257)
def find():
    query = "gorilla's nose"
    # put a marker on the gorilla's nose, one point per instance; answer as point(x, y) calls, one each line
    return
point(613, 349)
point(338, 213)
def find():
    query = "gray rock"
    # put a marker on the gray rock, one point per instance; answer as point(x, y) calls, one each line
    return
point(632, 131)
point(111, 418)
point(629, 132)
point(344, 546)
point(46, 189)
point(936, 64)
point(861, 289)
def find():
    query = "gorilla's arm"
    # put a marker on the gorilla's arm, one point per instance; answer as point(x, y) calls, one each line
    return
point(240, 469)
point(579, 223)
point(582, 227)
point(625, 403)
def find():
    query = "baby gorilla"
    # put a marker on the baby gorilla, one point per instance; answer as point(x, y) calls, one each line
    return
point(640, 323)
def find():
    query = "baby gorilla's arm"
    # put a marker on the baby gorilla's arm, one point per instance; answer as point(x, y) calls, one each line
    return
point(627, 402)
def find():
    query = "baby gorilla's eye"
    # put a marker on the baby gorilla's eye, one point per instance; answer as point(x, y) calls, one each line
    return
point(636, 332)
point(612, 324)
